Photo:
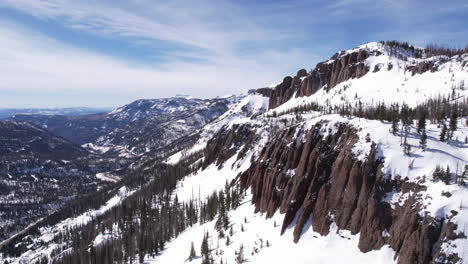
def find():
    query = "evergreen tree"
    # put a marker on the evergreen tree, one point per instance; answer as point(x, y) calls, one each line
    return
point(204, 245)
point(240, 255)
point(453, 123)
point(438, 173)
point(406, 146)
point(443, 133)
point(193, 254)
point(446, 176)
point(423, 141)
point(464, 177)
point(394, 126)
point(421, 122)
point(205, 250)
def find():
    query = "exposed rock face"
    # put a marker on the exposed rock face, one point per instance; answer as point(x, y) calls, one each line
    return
point(332, 73)
point(226, 143)
point(448, 234)
point(421, 68)
point(328, 74)
point(319, 179)
point(282, 92)
point(265, 91)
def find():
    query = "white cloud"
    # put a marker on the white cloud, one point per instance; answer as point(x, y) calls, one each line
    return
point(34, 62)
point(217, 47)
point(217, 39)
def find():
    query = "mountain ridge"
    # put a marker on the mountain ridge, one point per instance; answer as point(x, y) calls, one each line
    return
point(337, 162)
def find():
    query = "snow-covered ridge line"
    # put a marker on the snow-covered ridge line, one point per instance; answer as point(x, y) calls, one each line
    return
point(396, 85)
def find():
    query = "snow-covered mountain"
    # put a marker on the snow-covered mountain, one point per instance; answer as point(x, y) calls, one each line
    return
point(363, 159)
point(153, 124)
point(134, 128)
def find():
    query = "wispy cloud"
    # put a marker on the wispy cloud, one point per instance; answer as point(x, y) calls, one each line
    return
point(212, 60)
point(219, 29)
point(34, 62)
point(210, 48)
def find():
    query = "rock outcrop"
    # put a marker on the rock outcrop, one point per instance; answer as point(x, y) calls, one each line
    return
point(318, 179)
point(331, 73)
point(422, 67)
point(341, 67)
point(226, 143)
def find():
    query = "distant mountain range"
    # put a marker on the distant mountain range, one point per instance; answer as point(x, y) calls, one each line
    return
point(68, 111)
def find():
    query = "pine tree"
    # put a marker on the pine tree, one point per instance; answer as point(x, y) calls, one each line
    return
point(453, 123)
point(443, 133)
point(193, 254)
point(438, 173)
point(423, 141)
point(464, 177)
point(223, 219)
point(406, 146)
point(421, 122)
point(240, 255)
point(394, 126)
point(221, 233)
point(204, 246)
point(446, 178)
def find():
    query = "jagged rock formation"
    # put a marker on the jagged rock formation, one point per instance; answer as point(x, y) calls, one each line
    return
point(351, 64)
point(320, 179)
point(422, 67)
point(341, 67)
point(226, 143)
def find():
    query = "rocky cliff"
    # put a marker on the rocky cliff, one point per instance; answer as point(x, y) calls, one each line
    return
point(352, 64)
point(312, 177)
point(339, 68)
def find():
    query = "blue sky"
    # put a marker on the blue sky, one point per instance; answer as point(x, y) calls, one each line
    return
point(58, 53)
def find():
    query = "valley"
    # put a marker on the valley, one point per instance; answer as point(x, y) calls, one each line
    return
point(366, 154)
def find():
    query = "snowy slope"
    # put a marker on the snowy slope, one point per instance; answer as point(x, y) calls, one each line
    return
point(445, 203)
point(323, 249)
point(394, 84)
point(397, 85)
point(312, 248)
point(243, 110)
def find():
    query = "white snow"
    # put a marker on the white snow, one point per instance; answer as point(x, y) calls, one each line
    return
point(338, 247)
point(391, 86)
point(240, 112)
point(96, 148)
point(107, 176)
point(323, 249)
point(202, 183)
